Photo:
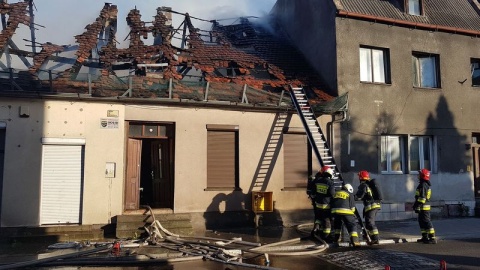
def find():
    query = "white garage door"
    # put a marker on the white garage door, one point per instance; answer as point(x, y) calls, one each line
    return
point(61, 184)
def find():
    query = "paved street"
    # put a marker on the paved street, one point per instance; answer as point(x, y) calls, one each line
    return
point(459, 242)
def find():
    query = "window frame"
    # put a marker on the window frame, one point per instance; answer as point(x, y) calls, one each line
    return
point(409, 8)
point(402, 149)
point(421, 154)
point(212, 181)
point(418, 72)
point(372, 67)
point(473, 63)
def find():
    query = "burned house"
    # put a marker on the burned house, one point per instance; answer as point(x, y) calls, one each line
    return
point(91, 133)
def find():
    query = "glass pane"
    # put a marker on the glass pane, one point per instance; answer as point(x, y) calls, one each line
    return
point(151, 130)
point(426, 153)
point(378, 66)
point(414, 7)
point(395, 154)
point(475, 66)
point(163, 131)
point(414, 154)
point(365, 65)
point(427, 69)
point(135, 130)
point(383, 154)
point(160, 162)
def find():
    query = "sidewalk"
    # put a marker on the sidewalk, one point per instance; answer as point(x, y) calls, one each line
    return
point(404, 231)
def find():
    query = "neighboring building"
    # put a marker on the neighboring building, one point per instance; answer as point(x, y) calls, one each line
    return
point(195, 130)
point(410, 68)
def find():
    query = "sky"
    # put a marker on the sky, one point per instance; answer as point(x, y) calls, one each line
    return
point(63, 19)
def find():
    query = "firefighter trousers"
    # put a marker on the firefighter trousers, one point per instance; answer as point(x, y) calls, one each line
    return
point(370, 223)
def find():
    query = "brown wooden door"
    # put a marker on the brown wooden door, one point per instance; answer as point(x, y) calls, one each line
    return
point(161, 174)
point(132, 188)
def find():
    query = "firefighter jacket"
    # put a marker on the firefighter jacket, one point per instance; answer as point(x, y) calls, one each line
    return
point(321, 189)
point(343, 203)
point(422, 196)
point(364, 193)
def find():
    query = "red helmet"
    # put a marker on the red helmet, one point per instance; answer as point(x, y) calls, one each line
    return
point(424, 174)
point(327, 169)
point(363, 175)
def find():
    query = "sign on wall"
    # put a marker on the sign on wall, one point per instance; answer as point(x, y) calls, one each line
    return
point(108, 123)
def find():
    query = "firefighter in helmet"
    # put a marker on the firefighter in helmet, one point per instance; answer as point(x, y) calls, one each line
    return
point(343, 210)
point(422, 207)
point(320, 190)
point(371, 204)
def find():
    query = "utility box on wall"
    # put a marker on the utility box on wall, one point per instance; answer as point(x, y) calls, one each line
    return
point(262, 201)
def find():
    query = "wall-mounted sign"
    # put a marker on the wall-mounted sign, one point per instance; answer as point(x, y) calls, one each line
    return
point(112, 113)
point(108, 123)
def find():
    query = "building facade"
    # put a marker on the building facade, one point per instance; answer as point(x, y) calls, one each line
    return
point(410, 70)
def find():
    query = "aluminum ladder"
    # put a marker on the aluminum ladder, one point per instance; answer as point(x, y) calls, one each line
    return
point(314, 132)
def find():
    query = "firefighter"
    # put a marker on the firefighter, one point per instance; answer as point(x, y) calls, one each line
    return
point(343, 210)
point(371, 204)
point(422, 207)
point(320, 190)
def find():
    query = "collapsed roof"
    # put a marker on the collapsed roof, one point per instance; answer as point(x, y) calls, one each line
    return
point(224, 62)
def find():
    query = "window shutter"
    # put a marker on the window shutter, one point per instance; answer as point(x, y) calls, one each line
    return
point(221, 159)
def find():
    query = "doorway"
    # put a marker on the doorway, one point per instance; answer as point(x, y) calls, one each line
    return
point(150, 163)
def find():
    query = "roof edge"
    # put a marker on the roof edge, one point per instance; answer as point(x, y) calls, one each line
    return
point(434, 27)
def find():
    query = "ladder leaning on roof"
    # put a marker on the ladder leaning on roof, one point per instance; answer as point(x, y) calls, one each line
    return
point(314, 132)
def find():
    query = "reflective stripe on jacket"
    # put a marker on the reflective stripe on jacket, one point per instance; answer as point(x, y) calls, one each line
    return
point(321, 189)
point(423, 194)
point(343, 203)
point(365, 194)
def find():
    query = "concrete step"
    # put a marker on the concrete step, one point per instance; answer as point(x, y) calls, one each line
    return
point(51, 233)
point(132, 226)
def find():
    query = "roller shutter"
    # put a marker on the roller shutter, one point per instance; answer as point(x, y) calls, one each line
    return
point(295, 151)
point(61, 188)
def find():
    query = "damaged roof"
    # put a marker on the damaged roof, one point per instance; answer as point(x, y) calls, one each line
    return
point(221, 64)
point(460, 16)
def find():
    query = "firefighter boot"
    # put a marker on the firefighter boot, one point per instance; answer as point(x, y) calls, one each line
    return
point(354, 241)
point(431, 239)
point(316, 230)
point(375, 240)
point(424, 238)
point(336, 238)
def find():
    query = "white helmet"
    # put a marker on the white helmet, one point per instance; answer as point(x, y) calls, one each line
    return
point(349, 188)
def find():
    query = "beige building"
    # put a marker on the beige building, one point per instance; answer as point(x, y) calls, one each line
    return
point(78, 160)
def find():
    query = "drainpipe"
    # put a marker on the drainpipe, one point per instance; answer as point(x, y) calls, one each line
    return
point(330, 129)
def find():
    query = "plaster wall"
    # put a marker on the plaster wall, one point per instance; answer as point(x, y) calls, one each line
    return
point(102, 197)
point(448, 112)
point(191, 193)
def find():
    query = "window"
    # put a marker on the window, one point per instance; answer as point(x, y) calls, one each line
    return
point(426, 71)
point(149, 130)
point(414, 7)
point(392, 154)
point(421, 148)
point(222, 157)
point(374, 65)
point(475, 70)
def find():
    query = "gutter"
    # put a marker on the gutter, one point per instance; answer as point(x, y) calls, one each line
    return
point(185, 103)
point(433, 27)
